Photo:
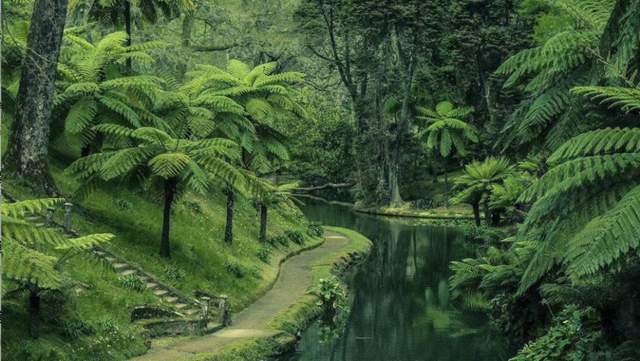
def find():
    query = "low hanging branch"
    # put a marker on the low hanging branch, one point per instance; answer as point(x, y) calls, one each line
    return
point(204, 48)
point(324, 186)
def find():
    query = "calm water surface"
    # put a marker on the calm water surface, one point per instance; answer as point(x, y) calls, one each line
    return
point(401, 305)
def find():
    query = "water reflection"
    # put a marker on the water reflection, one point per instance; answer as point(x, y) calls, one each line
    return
point(401, 307)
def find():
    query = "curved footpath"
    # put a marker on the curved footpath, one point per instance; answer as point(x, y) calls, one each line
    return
point(294, 279)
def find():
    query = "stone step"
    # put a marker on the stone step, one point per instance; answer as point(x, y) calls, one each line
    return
point(128, 272)
point(152, 285)
point(110, 259)
point(171, 299)
point(190, 311)
point(100, 253)
point(180, 306)
point(120, 265)
point(160, 292)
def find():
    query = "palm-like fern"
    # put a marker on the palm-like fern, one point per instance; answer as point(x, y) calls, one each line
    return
point(477, 183)
point(174, 162)
point(586, 213)
point(266, 95)
point(275, 196)
point(95, 91)
point(32, 255)
point(550, 70)
point(446, 132)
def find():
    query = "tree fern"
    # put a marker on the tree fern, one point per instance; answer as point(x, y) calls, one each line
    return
point(583, 215)
point(173, 162)
point(33, 255)
point(93, 87)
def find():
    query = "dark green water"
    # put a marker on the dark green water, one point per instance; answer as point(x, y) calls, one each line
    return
point(401, 305)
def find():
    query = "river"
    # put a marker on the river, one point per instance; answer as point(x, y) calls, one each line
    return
point(401, 307)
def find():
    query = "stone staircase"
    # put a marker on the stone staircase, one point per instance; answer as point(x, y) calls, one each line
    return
point(167, 295)
point(187, 307)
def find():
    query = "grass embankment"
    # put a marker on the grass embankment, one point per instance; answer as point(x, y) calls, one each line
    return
point(93, 323)
point(458, 211)
point(299, 316)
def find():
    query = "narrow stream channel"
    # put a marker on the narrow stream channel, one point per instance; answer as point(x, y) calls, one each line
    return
point(401, 304)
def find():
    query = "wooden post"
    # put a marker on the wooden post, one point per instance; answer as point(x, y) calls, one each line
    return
point(223, 306)
point(204, 317)
point(67, 216)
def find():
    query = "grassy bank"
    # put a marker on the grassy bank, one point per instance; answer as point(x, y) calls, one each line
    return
point(92, 320)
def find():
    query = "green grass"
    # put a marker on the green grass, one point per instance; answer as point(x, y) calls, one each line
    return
point(199, 256)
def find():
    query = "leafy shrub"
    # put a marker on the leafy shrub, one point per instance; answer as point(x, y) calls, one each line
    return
point(280, 239)
point(132, 282)
point(574, 336)
point(332, 301)
point(264, 253)
point(174, 273)
point(234, 268)
point(123, 204)
point(295, 236)
point(315, 230)
point(75, 328)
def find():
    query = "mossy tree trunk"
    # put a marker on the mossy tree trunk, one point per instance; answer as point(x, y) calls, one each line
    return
point(228, 228)
point(29, 139)
point(127, 27)
point(263, 223)
point(487, 212)
point(169, 196)
point(476, 213)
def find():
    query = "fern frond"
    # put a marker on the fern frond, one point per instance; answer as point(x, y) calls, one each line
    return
point(626, 99)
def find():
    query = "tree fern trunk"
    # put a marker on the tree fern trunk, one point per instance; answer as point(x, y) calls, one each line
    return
point(169, 195)
point(127, 26)
point(476, 213)
point(228, 229)
point(446, 188)
point(29, 139)
point(487, 213)
point(263, 223)
point(34, 312)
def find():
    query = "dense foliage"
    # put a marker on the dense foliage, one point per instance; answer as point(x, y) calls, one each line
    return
point(524, 113)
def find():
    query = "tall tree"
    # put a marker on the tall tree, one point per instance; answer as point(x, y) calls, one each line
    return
point(447, 132)
point(171, 163)
point(29, 138)
point(266, 95)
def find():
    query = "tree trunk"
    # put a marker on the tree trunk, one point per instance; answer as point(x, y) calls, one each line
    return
point(169, 195)
point(263, 223)
point(446, 188)
point(228, 229)
point(34, 312)
point(127, 27)
point(396, 199)
point(476, 213)
point(487, 213)
point(29, 138)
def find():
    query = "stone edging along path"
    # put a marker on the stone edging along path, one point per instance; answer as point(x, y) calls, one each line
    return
point(294, 280)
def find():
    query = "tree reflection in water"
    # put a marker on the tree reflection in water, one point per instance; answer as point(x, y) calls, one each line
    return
point(401, 307)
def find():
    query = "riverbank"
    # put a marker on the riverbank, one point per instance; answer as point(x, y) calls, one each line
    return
point(460, 212)
point(453, 212)
point(268, 326)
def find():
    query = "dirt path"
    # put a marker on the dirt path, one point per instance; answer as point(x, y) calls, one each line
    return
point(292, 283)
